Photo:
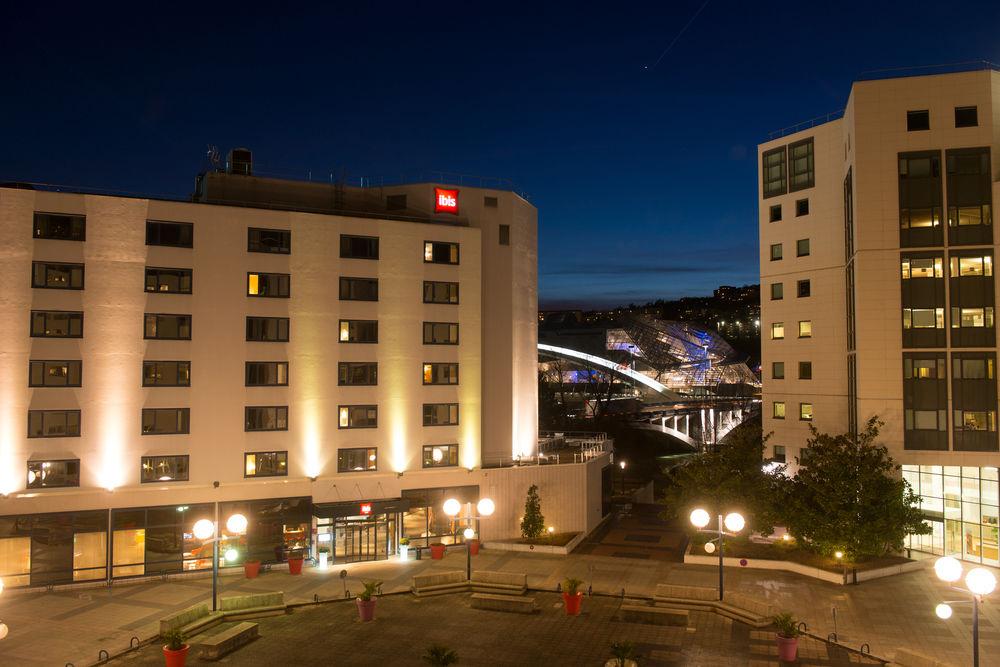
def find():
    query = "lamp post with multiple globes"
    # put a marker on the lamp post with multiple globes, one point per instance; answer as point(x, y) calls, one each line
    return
point(979, 582)
point(733, 522)
point(485, 508)
point(205, 530)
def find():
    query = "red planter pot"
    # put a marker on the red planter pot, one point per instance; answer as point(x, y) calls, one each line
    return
point(366, 610)
point(474, 547)
point(295, 566)
point(175, 658)
point(437, 551)
point(573, 603)
point(788, 648)
point(251, 569)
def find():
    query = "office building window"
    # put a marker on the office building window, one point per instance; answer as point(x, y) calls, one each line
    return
point(56, 324)
point(357, 373)
point(55, 373)
point(917, 121)
point(775, 252)
point(805, 412)
point(966, 117)
point(920, 199)
point(801, 207)
point(53, 423)
point(60, 227)
point(358, 247)
point(168, 281)
point(923, 318)
point(268, 329)
point(805, 370)
point(266, 373)
point(440, 373)
point(166, 373)
point(358, 416)
point(440, 333)
point(779, 454)
point(175, 234)
point(773, 172)
point(440, 456)
point(802, 247)
point(358, 289)
point(440, 414)
point(53, 474)
point(49, 275)
point(490, 202)
point(801, 173)
point(165, 326)
point(504, 234)
point(278, 241)
point(803, 289)
point(164, 469)
point(275, 285)
point(848, 215)
point(265, 464)
point(439, 292)
point(438, 252)
point(357, 459)
point(970, 196)
point(974, 400)
point(971, 420)
point(777, 291)
point(925, 420)
point(776, 213)
point(166, 421)
point(778, 409)
point(777, 331)
point(922, 267)
point(777, 370)
point(358, 331)
point(971, 288)
point(923, 299)
point(266, 418)
point(805, 328)
point(925, 401)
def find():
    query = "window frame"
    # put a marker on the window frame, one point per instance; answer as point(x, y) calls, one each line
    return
point(79, 423)
point(277, 374)
point(154, 457)
point(457, 421)
point(801, 204)
point(177, 411)
point(810, 158)
point(72, 219)
point(450, 244)
point(44, 365)
point(433, 283)
point(975, 116)
point(913, 121)
point(450, 341)
point(151, 223)
point(46, 313)
point(269, 274)
point(781, 252)
point(774, 213)
point(807, 366)
point(798, 248)
point(347, 365)
point(427, 454)
point(344, 237)
point(154, 271)
point(147, 362)
point(433, 365)
point(68, 265)
point(277, 452)
point(780, 291)
point(145, 327)
point(285, 241)
point(774, 367)
point(276, 408)
point(277, 320)
point(807, 283)
point(774, 192)
point(341, 339)
point(348, 280)
point(812, 413)
point(353, 406)
point(27, 472)
point(341, 468)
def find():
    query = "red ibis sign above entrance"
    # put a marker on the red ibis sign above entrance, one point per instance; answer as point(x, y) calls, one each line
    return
point(366, 509)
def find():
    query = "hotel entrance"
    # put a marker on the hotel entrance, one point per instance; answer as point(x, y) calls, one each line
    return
point(353, 532)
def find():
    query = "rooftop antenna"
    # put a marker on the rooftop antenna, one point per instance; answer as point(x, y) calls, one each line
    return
point(213, 156)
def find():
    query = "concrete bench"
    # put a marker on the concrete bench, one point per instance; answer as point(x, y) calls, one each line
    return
point(439, 583)
point(190, 621)
point(737, 606)
point(494, 602)
point(253, 605)
point(908, 658)
point(227, 641)
point(643, 613)
point(486, 581)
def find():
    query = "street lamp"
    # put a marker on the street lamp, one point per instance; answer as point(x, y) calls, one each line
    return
point(979, 582)
point(3, 626)
point(204, 530)
point(622, 464)
point(485, 507)
point(733, 522)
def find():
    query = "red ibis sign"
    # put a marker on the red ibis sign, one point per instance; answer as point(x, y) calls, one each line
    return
point(445, 201)
point(366, 509)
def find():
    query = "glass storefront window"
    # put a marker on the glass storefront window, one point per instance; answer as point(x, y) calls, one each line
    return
point(15, 561)
point(90, 556)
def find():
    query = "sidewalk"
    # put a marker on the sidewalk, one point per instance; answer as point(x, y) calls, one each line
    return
point(72, 626)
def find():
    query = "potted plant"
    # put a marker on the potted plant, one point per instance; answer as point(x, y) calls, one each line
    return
point(251, 568)
point(404, 548)
point(295, 562)
point(175, 650)
point(787, 636)
point(366, 601)
point(437, 551)
point(623, 653)
point(440, 656)
point(572, 596)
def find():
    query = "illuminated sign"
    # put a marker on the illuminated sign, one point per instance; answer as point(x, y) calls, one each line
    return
point(366, 509)
point(445, 201)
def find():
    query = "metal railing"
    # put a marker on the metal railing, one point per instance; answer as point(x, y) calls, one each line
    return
point(927, 70)
point(805, 125)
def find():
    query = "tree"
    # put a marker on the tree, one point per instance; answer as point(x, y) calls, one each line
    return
point(730, 479)
point(848, 497)
point(532, 523)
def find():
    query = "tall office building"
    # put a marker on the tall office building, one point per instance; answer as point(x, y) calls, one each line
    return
point(332, 362)
point(878, 294)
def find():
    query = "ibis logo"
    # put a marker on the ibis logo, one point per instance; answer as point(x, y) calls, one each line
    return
point(445, 201)
point(366, 509)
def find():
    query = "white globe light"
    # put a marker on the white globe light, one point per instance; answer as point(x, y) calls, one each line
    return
point(3, 630)
point(700, 518)
point(710, 547)
point(452, 507)
point(437, 455)
point(734, 522)
point(236, 524)
point(204, 529)
point(232, 555)
point(838, 554)
point(943, 611)
point(1, 585)
point(948, 569)
point(980, 581)
point(468, 533)
point(485, 507)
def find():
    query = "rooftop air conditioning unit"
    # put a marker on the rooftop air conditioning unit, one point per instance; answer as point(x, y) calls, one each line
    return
point(240, 161)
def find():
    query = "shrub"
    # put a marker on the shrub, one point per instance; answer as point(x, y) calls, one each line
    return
point(533, 523)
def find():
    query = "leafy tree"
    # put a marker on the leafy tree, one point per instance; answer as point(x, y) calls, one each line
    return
point(533, 523)
point(849, 497)
point(729, 479)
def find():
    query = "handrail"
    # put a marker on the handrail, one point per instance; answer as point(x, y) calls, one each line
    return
point(805, 125)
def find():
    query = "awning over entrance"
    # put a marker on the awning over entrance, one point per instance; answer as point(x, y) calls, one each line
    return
point(360, 508)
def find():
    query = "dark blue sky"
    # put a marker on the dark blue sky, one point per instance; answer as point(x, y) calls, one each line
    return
point(644, 178)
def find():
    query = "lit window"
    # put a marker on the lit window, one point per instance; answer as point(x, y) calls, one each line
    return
point(265, 464)
point(805, 329)
point(805, 411)
point(440, 414)
point(436, 252)
point(971, 317)
point(440, 373)
point(776, 252)
point(440, 456)
point(777, 331)
point(358, 331)
point(269, 285)
point(970, 420)
point(49, 474)
point(357, 459)
point(930, 267)
point(778, 410)
point(972, 266)
point(923, 318)
point(164, 469)
point(358, 416)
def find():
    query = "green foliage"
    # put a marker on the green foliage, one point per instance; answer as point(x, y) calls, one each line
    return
point(403, 541)
point(440, 656)
point(371, 588)
point(622, 651)
point(174, 639)
point(848, 497)
point(533, 523)
point(729, 479)
point(787, 625)
point(571, 585)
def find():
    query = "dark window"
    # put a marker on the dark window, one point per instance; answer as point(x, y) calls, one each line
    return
point(966, 117)
point(773, 172)
point(490, 202)
point(776, 213)
point(53, 423)
point(801, 174)
point(49, 275)
point(775, 252)
point(803, 288)
point(925, 401)
point(266, 373)
point(277, 241)
point(166, 373)
point(165, 421)
point(176, 234)
point(920, 199)
point(970, 196)
point(357, 459)
point(802, 207)
point(974, 401)
point(440, 456)
point(358, 247)
point(805, 370)
point(439, 292)
point(55, 373)
point(266, 418)
point(53, 474)
point(395, 202)
point(440, 373)
point(358, 289)
point(168, 281)
point(777, 291)
point(802, 247)
point(440, 333)
point(848, 216)
point(918, 120)
point(504, 234)
point(269, 284)
point(436, 252)
point(60, 227)
point(268, 329)
point(357, 373)
point(358, 416)
point(164, 326)
point(164, 469)
point(265, 464)
point(778, 370)
point(779, 454)
point(358, 331)
point(56, 324)
point(440, 414)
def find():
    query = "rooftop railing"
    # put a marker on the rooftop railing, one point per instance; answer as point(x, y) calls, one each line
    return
point(805, 125)
point(927, 70)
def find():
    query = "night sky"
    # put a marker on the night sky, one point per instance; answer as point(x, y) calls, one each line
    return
point(640, 158)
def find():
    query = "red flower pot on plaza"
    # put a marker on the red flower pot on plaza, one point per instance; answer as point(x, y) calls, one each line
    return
point(788, 648)
point(295, 565)
point(175, 658)
point(474, 547)
point(251, 569)
point(573, 602)
point(366, 610)
point(437, 551)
